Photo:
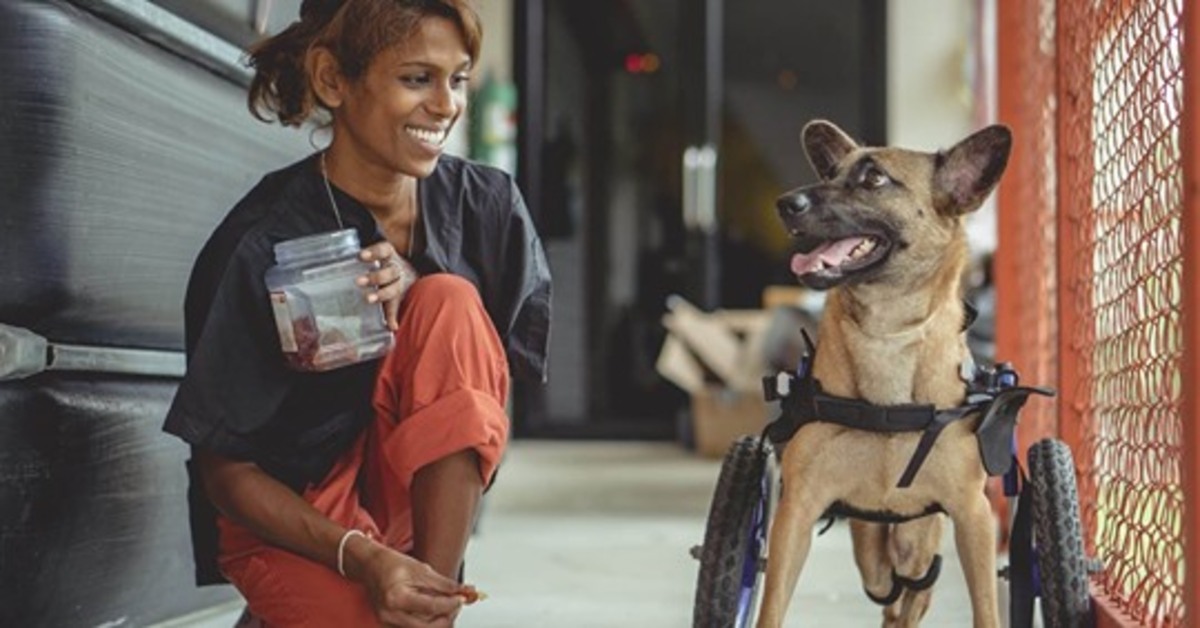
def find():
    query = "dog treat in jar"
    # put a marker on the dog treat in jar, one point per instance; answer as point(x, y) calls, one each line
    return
point(323, 317)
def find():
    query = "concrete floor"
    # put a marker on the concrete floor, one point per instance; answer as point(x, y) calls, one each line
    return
point(596, 535)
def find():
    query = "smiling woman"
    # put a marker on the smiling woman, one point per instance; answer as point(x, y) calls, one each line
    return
point(396, 116)
point(357, 486)
point(355, 32)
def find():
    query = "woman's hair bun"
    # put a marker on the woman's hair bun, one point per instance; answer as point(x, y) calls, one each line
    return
point(319, 9)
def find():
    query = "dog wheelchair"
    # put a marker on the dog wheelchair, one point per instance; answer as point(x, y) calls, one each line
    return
point(1046, 553)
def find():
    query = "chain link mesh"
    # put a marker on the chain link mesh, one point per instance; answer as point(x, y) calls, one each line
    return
point(1119, 198)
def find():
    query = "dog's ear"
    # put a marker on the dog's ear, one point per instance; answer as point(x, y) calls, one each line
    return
point(826, 145)
point(968, 172)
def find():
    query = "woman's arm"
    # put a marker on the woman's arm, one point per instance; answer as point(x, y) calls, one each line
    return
point(403, 589)
point(250, 497)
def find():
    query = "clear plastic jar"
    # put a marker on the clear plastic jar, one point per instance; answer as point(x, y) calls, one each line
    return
point(323, 316)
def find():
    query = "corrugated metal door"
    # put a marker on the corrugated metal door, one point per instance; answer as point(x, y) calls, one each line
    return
point(118, 157)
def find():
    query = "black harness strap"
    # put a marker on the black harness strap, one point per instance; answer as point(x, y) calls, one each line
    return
point(900, 583)
point(842, 509)
point(805, 403)
point(892, 595)
point(861, 415)
point(925, 581)
point(928, 438)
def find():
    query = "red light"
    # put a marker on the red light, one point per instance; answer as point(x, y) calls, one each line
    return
point(634, 63)
point(642, 63)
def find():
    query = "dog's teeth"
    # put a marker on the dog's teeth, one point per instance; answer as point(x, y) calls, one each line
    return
point(864, 247)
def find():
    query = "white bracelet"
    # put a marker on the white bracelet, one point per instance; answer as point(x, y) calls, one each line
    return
point(341, 553)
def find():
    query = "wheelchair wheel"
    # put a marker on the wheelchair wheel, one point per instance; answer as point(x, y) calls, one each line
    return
point(729, 585)
point(1058, 535)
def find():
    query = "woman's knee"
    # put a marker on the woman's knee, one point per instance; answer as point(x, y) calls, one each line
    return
point(284, 589)
point(444, 288)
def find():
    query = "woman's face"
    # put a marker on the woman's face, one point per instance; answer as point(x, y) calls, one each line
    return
point(397, 115)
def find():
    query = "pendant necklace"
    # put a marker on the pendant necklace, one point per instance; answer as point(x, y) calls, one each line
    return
point(412, 233)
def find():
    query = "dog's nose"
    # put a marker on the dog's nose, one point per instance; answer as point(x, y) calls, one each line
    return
point(793, 204)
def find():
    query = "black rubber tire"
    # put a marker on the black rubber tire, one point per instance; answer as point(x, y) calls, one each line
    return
point(1058, 536)
point(726, 539)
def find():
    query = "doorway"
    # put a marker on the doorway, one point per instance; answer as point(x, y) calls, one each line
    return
point(614, 95)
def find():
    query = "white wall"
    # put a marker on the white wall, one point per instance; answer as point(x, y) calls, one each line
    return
point(931, 104)
point(927, 77)
point(496, 56)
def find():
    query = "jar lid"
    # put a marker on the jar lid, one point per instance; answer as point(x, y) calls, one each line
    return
point(321, 246)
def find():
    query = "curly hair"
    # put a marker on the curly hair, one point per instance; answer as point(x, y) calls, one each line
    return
point(355, 31)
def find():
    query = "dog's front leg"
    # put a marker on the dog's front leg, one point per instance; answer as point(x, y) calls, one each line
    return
point(791, 536)
point(975, 539)
point(870, 542)
point(912, 547)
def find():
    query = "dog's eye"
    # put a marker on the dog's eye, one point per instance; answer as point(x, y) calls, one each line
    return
point(873, 178)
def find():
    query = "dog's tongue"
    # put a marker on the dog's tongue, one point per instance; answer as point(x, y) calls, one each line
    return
point(832, 254)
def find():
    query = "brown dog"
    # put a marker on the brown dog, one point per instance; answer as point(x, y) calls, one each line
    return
point(882, 231)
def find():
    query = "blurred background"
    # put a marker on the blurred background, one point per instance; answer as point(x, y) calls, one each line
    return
point(650, 139)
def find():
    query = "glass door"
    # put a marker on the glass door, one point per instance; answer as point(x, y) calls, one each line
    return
point(653, 138)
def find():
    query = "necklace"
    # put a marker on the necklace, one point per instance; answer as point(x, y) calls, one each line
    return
point(412, 234)
point(329, 189)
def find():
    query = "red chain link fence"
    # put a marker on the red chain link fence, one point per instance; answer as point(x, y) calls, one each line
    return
point(1097, 279)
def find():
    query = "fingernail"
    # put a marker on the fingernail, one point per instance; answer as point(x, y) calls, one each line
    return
point(362, 281)
point(371, 298)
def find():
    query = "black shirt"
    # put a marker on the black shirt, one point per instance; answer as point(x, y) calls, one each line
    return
point(238, 397)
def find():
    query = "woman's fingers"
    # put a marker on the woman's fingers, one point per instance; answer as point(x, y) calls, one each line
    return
point(389, 272)
point(378, 252)
point(413, 608)
point(391, 279)
point(399, 620)
point(391, 288)
point(417, 595)
point(429, 580)
point(470, 594)
point(432, 605)
point(391, 314)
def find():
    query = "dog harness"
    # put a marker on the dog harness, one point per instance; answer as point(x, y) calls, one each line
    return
point(993, 392)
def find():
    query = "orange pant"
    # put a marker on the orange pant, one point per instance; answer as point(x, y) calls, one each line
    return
point(440, 391)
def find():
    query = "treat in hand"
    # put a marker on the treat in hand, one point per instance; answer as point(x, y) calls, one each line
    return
point(470, 594)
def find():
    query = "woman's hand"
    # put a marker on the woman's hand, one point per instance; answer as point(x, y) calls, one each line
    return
point(391, 279)
point(405, 591)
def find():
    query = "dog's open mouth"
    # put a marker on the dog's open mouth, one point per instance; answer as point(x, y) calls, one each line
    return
point(831, 261)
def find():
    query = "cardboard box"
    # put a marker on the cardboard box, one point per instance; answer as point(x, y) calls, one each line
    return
point(725, 346)
point(717, 358)
point(720, 416)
